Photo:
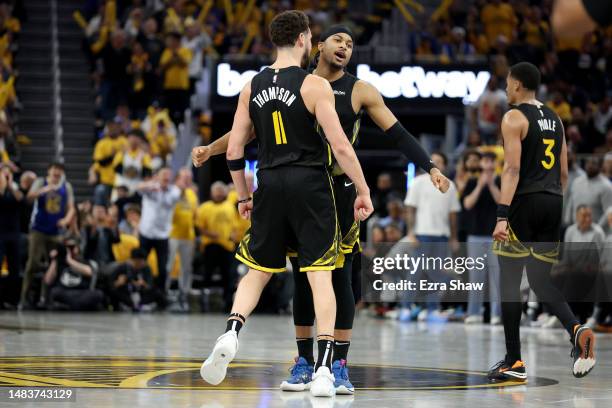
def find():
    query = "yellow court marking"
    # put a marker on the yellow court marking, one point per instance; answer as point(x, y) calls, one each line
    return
point(22, 383)
point(53, 381)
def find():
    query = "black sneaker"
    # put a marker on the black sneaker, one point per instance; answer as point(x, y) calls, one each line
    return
point(508, 371)
point(583, 351)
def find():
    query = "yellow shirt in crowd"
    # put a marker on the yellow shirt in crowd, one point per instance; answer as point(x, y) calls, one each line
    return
point(105, 148)
point(242, 227)
point(162, 144)
point(7, 91)
point(176, 77)
point(535, 34)
point(218, 218)
point(563, 109)
point(498, 19)
point(122, 251)
point(183, 220)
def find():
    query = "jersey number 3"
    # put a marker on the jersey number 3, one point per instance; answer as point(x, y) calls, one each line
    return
point(548, 164)
point(279, 129)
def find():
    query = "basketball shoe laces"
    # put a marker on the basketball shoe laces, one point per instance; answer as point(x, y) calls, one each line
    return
point(299, 369)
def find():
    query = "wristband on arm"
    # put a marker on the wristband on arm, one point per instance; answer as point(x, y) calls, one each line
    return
point(410, 146)
point(237, 164)
point(502, 212)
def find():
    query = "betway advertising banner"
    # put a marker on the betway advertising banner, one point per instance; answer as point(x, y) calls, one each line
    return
point(433, 89)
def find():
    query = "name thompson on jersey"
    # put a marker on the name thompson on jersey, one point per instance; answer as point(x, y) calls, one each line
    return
point(272, 93)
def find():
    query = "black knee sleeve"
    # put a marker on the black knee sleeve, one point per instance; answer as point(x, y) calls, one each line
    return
point(303, 306)
point(345, 300)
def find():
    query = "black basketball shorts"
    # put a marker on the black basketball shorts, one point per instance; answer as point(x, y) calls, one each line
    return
point(534, 224)
point(293, 206)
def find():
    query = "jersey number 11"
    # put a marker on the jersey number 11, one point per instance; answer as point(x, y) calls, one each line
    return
point(279, 129)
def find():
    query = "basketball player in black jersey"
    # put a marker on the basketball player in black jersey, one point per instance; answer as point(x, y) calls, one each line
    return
point(294, 197)
point(352, 96)
point(528, 226)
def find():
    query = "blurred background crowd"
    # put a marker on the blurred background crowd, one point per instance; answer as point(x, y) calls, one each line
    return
point(135, 227)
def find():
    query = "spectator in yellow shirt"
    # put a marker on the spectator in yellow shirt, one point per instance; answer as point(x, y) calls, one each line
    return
point(499, 19)
point(216, 222)
point(103, 170)
point(133, 165)
point(155, 113)
point(537, 31)
point(182, 235)
point(174, 64)
point(162, 142)
point(561, 107)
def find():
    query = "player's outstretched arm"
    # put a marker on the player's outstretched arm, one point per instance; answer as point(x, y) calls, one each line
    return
point(373, 103)
point(319, 95)
point(201, 154)
point(238, 139)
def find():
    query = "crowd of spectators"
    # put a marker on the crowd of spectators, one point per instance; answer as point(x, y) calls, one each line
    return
point(138, 252)
point(10, 27)
point(142, 52)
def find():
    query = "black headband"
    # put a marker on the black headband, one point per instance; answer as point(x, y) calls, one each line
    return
point(335, 29)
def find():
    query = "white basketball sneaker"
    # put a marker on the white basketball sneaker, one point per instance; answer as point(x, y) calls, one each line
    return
point(322, 384)
point(214, 369)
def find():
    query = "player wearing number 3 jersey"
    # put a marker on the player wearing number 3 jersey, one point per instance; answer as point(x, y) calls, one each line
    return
point(528, 226)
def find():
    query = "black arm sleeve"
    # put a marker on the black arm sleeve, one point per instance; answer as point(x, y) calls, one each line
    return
point(409, 146)
point(600, 11)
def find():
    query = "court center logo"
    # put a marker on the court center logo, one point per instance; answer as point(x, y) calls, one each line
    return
point(184, 373)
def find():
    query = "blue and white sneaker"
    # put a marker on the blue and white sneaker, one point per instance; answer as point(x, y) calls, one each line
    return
point(301, 376)
point(342, 383)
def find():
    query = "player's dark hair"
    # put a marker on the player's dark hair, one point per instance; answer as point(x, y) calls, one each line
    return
point(442, 155)
point(527, 74)
point(287, 26)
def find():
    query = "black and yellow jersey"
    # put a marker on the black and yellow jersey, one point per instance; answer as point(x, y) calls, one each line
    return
point(285, 129)
point(343, 91)
point(540, 151)
point(349, 120)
